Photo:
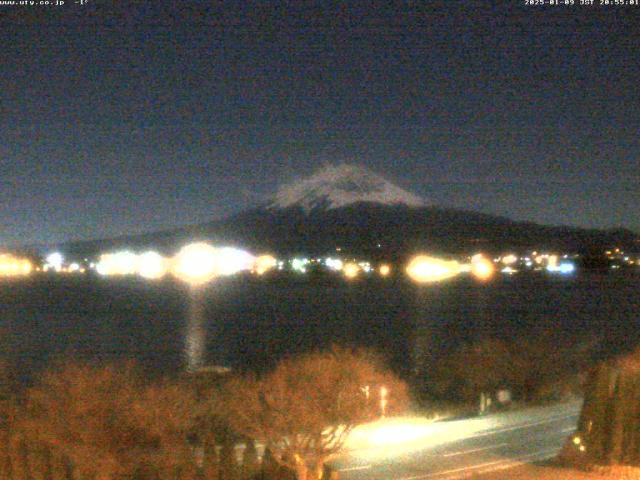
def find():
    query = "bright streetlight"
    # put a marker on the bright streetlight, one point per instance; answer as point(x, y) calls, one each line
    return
point(481, 267)
point(426, 269)
point(196, 264)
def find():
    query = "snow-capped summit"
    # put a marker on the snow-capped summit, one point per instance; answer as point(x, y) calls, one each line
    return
point(336, 186)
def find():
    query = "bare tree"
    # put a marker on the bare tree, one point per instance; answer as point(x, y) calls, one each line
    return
point(166, 411)
point(108, 422)
point(305, 408)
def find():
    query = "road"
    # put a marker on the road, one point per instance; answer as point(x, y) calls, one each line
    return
point(415, 449)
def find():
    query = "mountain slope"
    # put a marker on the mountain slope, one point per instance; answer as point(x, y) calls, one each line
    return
point(351, 208)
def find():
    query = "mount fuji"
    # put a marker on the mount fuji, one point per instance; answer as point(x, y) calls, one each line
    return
point(350, 208)
point(338, 186)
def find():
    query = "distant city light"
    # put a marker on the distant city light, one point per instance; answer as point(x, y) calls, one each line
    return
point(509, 259)
point(384, 270)
point(233, 260)
point(334, 263)
point(152, 265)
point(509, 270)
point(564, 268)
point(365, 266)
point(11, 266)
point(481, 267)
point(54, 260)
point(197, 263)
point(351, 270)
point(465, 268)
point(299, 264)
point(264, 263)
point(426, 269)
point(119, 263)
point(73, 267)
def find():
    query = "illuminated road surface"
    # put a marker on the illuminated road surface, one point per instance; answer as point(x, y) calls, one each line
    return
point(413, 449)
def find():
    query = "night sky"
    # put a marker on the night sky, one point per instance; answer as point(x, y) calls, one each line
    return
point(120, 118)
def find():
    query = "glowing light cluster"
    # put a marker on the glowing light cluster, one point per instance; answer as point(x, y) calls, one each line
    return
point(152, 265)
point(118, 263)
point(11, 266)
point(300, 264)
point(384, 270)
point(264, 263)
point(481, 267)
point(233, 260)
point(351, 270)
point(54, 261)
point(200, 262)
point(426, 269)
point(365, 266)
point(334, 263)
point(509, 259)
point(545, 258)
point(196, 263)
point(564, 267)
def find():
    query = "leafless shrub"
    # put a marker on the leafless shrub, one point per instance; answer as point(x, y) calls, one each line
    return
point(108, 422)
point(304, 409)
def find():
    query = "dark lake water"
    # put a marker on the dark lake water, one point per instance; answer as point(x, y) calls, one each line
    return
point(251, 323)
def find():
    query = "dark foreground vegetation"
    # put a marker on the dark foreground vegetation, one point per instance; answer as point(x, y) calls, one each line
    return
point(537, 369)
point(88, 422)
point(608, 434)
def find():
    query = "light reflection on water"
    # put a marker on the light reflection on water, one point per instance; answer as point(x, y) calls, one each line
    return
point(196, 334)
point(246, 323)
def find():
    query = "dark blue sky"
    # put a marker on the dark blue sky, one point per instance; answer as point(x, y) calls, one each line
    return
point(119, 118)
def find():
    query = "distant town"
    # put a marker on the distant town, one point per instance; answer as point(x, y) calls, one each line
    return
point(200, 262)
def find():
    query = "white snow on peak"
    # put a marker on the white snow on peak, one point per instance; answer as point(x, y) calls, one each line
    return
point(341, 185)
